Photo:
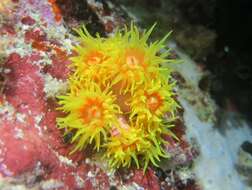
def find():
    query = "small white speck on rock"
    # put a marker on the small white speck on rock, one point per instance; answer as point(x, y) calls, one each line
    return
point(19, 134)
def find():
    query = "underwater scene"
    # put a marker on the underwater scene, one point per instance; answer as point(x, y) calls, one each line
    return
point(125, 95)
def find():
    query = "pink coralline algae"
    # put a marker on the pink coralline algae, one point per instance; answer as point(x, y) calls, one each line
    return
point(30, 143)
point(28, 133)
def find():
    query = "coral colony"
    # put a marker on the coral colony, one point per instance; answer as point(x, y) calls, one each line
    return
point(120, 97)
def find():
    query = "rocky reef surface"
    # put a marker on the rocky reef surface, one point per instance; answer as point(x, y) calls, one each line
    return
point(36, 39)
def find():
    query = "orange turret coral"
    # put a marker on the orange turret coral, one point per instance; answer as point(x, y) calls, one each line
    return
point(120, 97)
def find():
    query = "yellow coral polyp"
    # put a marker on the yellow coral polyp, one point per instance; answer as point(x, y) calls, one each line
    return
point(152, 102)
point(137, 61)
point(91, 113)
point(124, 147)
point(131, 142)
point(91, 54)
point(119, 92)
point(130, 70)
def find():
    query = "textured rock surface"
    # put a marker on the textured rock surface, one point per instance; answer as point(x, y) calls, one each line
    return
point(33, 153)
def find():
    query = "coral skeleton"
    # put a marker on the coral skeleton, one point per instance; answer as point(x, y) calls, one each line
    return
point(121, 97)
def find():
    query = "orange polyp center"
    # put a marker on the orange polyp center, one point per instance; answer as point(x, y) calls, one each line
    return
point(132, 61)
point(154, 101)
point(92, 109)
point(134, 58)
point(95, 57)
point(131, 147)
